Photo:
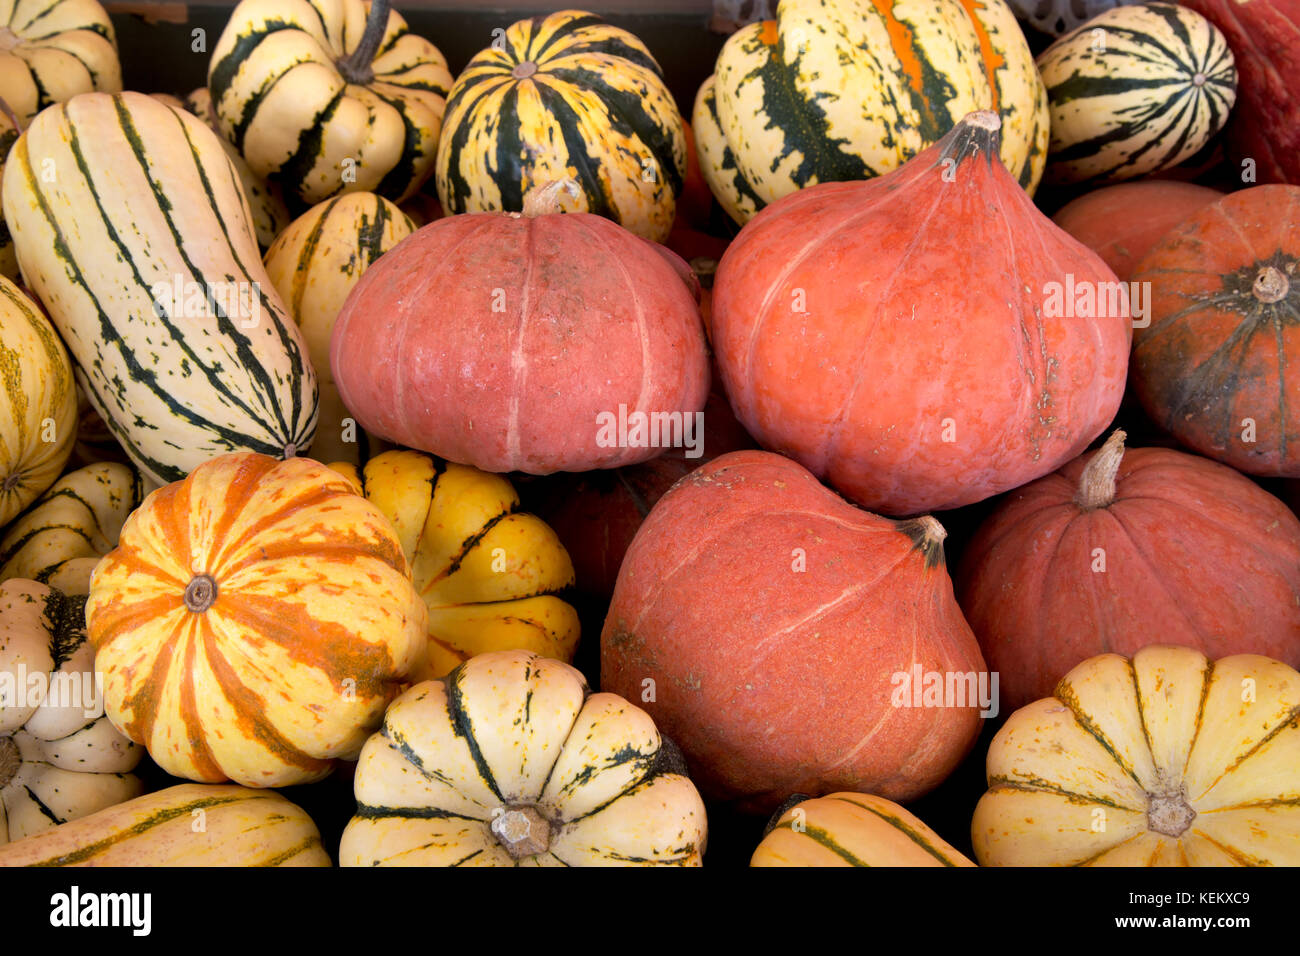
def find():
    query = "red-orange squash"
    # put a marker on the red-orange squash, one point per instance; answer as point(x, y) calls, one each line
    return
point(1217, 364)
point(909, 339)
point(1122, 549)
point(790, 642)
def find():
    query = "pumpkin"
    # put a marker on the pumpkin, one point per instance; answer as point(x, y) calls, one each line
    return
point(1122, 222)
point(564, 95)
point(1120, 549)
point(38, 402)
point(1137, 89)
point(845, 342)
point(60, 757)
point(488, 574)
point(314, 264)
point(61, 537)
point(738, 620)
point(852, 829)
point(50, 52)
point(1263, 136)
point(186, 825)
point(511, 760)
point(559, 338)
point(253, 622)
point(329, 97)
point(774, 117)
point(1167, 759)
point(144, 255)
point(1212, 367)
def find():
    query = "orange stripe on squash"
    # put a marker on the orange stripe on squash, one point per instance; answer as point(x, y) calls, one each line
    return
point(769, 34)
point(993, 60)
point(902, 42)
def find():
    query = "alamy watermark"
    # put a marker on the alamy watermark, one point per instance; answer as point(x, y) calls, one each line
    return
point(921, 688)
point(637, 429)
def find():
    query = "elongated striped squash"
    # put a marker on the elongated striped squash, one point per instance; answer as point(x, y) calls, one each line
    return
point(835, 90)
point(187, 825)
point(131, 226)
point(852, 829)
point(329, 96)
point(511, 760)
point(38, 402)
point(1135, 90)
point(51, 50)
point(565, 96)
point(314, 264)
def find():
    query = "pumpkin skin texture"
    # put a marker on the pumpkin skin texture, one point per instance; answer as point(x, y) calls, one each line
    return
point(1213, 366)
point(838, 342)
point(1162, 760)
point(789, 696)
point(551, 321)
point(55, 51)
point(511, 760)
point(852, 829)
point(1122, 222)
point(1191, 553)
point(60, 757)
point(488, 574)
point(287, 98)
point(253, 622)
point(774, 118)
point(241, 827)
point(565, 95)
point(38, 402)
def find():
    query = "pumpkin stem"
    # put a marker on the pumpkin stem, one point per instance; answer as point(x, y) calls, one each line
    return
point(927, 537)
point(522, 831)
point(12, 481)
point(1169, 813)
point(1271, 285)
point(1097, 484)
point(10, 761)
point(978, 133)
point(356, 68)
point(201, 593)
point(544, 199)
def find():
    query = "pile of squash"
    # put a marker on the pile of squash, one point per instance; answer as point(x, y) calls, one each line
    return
point(340, 395)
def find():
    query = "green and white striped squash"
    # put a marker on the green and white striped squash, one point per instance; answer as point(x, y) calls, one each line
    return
point(329, 96)
point(1135, 90)
point(51, 50)
point(314, 264)
point(131, 226)
point(836, 90)
point(565, 96)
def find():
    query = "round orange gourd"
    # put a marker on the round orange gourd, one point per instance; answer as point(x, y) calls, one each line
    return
point(253, 622)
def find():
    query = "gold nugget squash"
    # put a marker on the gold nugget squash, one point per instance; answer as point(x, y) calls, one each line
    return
point(1168, 759)
point(511, 760)
point(253, 622)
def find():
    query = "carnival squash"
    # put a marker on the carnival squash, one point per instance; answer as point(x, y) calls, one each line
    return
point(51, 51)
point(511, 760)
point(253, 622)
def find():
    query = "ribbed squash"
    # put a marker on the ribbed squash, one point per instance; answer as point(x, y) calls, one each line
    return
point(253, 622)
point(852, 829)
point(329, 96)
point(60, 757)
point(565, 96)
point(61, 537)
point(1167, 759)
point(488, 574)
point(314, 264)
point(51, 50)
point(511, 760)
point(38, 402)
point(836, 90)
point(1137, 89)
point(140, 246)
point(187, 825)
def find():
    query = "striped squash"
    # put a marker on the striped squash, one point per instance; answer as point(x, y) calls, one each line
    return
point(1168, 759)
point(329, 96)
point(852, 829)
point(239, 827)
point(38, 402)
point(565, 96)
point(314, 264)
point(775, 115)
point(131, 226)
point(61, 537)
point(253, 622)
point(51, 50)
point(511, 760)
point(1135, 90)
point(489, 575)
